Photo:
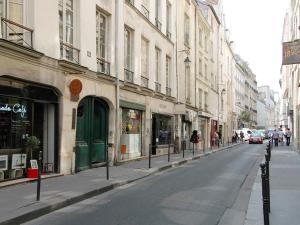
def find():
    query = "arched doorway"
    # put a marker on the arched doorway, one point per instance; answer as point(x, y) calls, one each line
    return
point(91, 133)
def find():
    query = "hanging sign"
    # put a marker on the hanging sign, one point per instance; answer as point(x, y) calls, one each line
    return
point(75, 89)
point(291, 52)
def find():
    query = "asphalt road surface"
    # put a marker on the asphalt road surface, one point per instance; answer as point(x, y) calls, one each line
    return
point(211, 191)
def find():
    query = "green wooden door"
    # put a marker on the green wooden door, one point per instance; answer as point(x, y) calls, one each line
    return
point(91, 132)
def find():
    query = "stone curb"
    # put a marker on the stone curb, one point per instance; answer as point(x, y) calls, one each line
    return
point(56, 206)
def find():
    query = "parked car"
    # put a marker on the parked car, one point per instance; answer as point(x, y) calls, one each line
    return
point(255, 138)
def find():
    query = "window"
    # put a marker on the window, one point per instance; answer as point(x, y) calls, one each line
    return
point(205, 101)
point(145, 6)
point(205, 71)
point(187, 83)
point(168, 20)
point(200, 37)
point(145, 58)
point(168, 68)
point(158, 14)
point(205, 43)
point(66, 30)
point(186, 30)
point(200, 98)
point(128, 54)
point(157, 64)
point(101, 43)
point(200, 67)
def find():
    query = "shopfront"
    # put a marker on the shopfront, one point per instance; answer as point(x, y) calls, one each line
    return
point(214, 128)
point(162, 132)
point(26, 110)
point(202, 123)
point(132, 130)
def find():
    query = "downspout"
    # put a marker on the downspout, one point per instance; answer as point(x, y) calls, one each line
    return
point(115, 157)
point(176, 72)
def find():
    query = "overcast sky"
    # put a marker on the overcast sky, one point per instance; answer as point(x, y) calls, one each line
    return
point(256, 29)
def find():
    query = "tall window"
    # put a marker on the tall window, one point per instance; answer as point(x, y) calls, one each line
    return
point(186, 30)
point(127, 48)
point(158, 14)
point(66, 21)
point(168, 19)
point(205, 101)
point(200, 67)
point(205, 43)
point(101, 29)
point(145, 58)
point(187, 83)
point(200, 98)
point(168, 72)
point(157, 64)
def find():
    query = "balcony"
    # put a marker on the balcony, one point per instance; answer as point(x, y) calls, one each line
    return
point(145, 11)
point(157, 23)
point(69, 52)
point(157, 87)
point(103, 66)
point(169, 35)
point(16, 33)
point(168, 91)
point(144, 82)
point(128, 75)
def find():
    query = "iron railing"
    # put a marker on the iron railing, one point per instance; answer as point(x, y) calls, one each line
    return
point(69, 52)
point(157, 87)
point(128, 75)
point(16, 33)
point(145, 11)
point(130, 2)
point(168, 91)
point(157, 23)
point(103, 66)
point(169, 35)
point(144, 82)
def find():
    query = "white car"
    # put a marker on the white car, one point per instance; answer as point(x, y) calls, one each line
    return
point(247, 132)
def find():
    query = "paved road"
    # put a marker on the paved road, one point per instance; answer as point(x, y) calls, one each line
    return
point(211, 191)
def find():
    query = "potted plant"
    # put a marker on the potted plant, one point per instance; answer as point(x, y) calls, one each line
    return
point(32, 144)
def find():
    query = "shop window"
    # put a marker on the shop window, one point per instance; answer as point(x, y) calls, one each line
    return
point(164, 128)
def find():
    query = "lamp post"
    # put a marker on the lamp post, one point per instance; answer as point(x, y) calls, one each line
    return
point(222, 93)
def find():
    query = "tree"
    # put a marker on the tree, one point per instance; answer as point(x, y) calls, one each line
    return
point(244, 116)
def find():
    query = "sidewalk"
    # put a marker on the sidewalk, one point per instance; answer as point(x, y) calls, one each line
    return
point(284, 187)
point(18, 203)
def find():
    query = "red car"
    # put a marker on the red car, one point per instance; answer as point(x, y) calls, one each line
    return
point(255, 138)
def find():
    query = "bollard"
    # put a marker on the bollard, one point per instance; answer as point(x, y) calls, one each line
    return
point(265, 201)
point(169, 152)
point(38, 188)
point(269, 151)
point(204, 145)
point(150, 149)
point(193, 149)
point(107, 165)
point(268, 182)
point(183, 147)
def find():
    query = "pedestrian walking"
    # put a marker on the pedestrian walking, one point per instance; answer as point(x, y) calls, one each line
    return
point(242, 136)
point(281, 134)
point(288, 136)
point(275, 137)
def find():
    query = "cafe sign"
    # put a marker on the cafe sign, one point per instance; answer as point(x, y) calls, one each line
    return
point(16, 108)
point(291, 52)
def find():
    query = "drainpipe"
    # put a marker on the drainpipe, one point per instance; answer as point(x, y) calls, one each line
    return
point(117, 130)
point(195, 65)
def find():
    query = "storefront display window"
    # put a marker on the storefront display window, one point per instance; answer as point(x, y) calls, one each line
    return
point(163, 129)
point(131, 133)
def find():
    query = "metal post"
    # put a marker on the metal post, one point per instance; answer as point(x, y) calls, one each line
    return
point(203, 144)
point(269, 151)
point(107, 165)
point(268, 182)
point(150, 149)
point(38, 190)
point(193, 149)
point(183, 147)
point(169, 152)
point(265, 201)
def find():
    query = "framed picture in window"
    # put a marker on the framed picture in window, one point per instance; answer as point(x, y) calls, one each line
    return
point(34, 164)
point(18, 161)
point(3, 162)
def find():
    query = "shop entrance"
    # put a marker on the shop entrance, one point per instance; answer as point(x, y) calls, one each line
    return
point(91, 133)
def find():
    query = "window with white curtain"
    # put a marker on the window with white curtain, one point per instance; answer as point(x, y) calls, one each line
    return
point(127, 48)
point(168, 72)
point(13, 10)
point(145, 58)
point(186, 30)
point(157, 64)
point(101, 30)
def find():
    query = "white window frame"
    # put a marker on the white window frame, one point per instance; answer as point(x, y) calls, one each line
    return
point(186, 30)
point(145, 58)
point(98, 28)
point(169, 16)
point(5, 11)
point(64, 22)
point(157, 64)
point(128, 49)
point(168, 71)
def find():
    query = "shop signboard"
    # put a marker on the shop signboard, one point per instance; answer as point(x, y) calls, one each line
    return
point(291, 52)
point(18, 161)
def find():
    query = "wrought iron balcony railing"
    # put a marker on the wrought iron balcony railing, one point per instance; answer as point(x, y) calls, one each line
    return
point(145, 11)
point(144, 82)
point(157, 87)
point(69, 52)
point(157, 23)
point(16, 33)
point(168, 91)
point(103, 66)
point(130, 2)
point(128, 75)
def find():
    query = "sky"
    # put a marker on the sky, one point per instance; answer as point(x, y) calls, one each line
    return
point(256, 28)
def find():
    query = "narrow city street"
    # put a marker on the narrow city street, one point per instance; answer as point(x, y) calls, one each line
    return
point(210, 191)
